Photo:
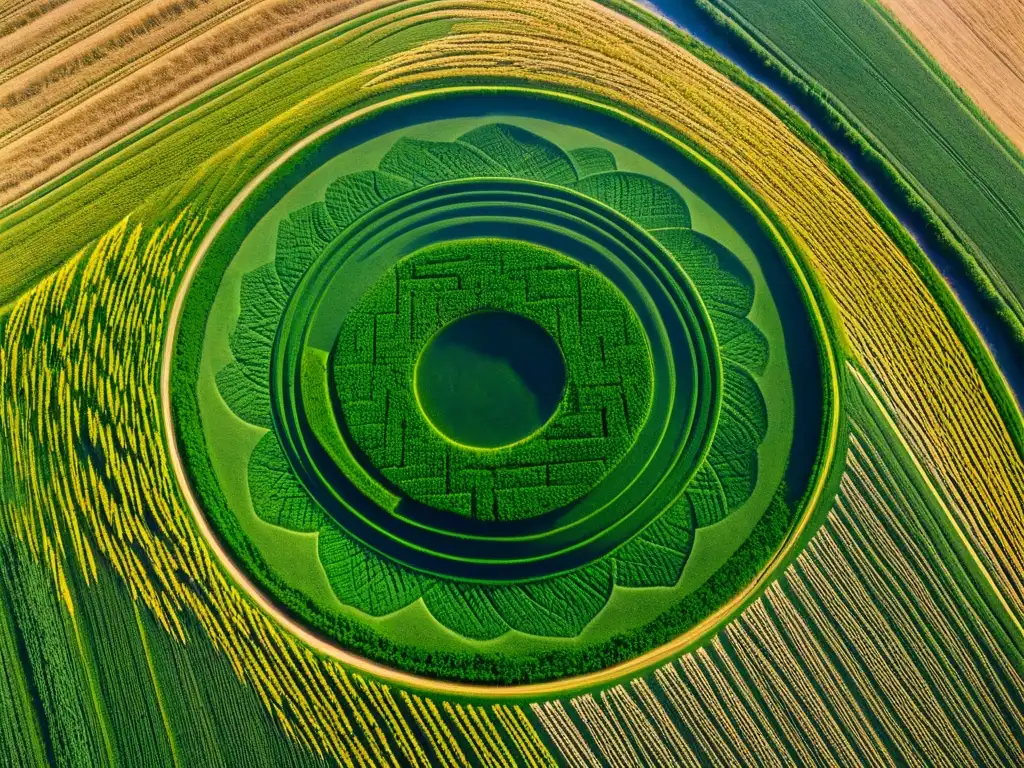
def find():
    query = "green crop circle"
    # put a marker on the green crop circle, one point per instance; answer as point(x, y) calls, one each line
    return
point(688, 378)
point(640, 552)
point(605, 402)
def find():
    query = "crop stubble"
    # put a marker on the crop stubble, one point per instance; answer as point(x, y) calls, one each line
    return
point(73, 85)
point(980, 43)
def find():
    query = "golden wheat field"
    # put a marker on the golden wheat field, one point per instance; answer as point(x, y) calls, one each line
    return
point(979, 45)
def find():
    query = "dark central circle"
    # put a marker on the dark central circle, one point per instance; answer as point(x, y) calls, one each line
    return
point(490, 379)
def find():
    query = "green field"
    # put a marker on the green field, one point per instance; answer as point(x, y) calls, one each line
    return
point(964, 173)
point(515, 384)
point(355, 469)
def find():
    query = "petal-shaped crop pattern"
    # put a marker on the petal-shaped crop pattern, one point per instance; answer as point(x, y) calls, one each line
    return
point(560, 605)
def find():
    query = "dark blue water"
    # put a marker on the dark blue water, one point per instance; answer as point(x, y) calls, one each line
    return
point(993, 331)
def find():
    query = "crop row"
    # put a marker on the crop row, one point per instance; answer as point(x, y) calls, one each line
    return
point(88, 489)
point(73, 82)
point(880, 644)
point(917, 132)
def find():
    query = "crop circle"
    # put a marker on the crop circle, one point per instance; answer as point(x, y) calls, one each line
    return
point(640, 482)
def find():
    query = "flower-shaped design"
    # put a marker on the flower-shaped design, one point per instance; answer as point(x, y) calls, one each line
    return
point(557, 605)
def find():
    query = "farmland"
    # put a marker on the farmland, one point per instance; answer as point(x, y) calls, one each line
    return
point(76, 80)
point(602, 463)
point(496, 384)
point(970, 40)
point(882, 601)
point(928, 146)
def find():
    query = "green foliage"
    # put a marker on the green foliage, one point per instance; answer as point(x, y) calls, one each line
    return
point(560, 607)
point(51, 659)
point(362, 578)
point(654, 554)
point(316, 402)
point(277, 495)
point(300, 239)
point(126, 700)
point(110, 686)
point(379, 426)
point(494, 150)
point(729, 475)
point(466, 610)
point(522, 154)
point(727, 290)
point(241, 382)
point(20, 730)
point(607, 393)
point(650, 203)
point(348, 198)
point(428, 162)
point(591, 160)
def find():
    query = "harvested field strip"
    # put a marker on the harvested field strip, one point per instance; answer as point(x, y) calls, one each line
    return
point(877, 646)
point(35, 36)
point(141, 77)
point(109, 497)
point(565, 734)
point(981, 45)
point(25, 116)
point(524, 736)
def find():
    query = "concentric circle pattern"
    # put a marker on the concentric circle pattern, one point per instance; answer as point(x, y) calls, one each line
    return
point(567, 529)
point(507, 382)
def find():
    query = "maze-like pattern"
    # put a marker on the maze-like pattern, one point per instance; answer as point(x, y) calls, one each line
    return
point(608, 387)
